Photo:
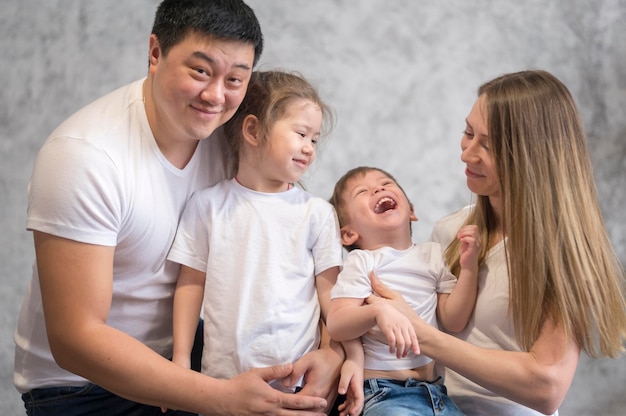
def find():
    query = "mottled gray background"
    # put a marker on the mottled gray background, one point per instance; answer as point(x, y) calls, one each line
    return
point(401, 75)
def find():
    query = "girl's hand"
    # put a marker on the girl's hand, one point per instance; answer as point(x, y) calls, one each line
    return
point(351, 384)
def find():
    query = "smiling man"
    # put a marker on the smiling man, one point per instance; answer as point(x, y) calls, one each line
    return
point(108, 187)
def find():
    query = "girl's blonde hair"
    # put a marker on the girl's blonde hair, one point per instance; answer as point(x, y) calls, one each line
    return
point(561, 262)
point(269, 95)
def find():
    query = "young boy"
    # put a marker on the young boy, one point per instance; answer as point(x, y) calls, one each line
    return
point(375, 217)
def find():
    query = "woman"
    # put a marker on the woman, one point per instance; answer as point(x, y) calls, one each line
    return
point(537, 211)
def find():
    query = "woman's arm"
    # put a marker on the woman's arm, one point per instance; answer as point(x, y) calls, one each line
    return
point(539, 378)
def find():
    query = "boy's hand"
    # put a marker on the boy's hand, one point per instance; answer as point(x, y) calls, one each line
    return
point(470, 246)
point(398, 330)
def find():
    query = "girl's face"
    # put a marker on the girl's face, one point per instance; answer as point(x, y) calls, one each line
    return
point(290, 148)
point(480, 170)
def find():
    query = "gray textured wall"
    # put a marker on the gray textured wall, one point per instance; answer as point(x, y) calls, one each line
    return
point(401, 75)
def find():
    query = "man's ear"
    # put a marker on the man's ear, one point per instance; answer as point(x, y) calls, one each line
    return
point(348, 236)
point(154, 52)
point(412, 216)
point(250, 130)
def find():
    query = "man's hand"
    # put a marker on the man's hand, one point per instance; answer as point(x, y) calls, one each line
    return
point(249, 393)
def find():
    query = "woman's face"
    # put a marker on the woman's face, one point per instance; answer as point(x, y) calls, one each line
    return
point(480, 170)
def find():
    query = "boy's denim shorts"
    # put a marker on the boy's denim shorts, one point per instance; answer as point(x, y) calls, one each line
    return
point(387, 397)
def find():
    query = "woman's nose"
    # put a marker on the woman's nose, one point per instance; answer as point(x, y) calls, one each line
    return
point(468, 153)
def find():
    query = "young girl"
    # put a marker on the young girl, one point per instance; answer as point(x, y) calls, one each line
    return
point(257, 250)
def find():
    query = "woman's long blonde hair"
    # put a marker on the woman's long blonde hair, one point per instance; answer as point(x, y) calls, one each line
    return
point(561, 262)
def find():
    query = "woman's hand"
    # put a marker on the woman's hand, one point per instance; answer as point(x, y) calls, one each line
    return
point(383, 294)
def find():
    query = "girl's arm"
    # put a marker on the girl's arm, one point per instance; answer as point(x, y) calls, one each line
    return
point(321, 367)
point(187, 304)
point(351, 375)
point(539, 378)
point(351, 381)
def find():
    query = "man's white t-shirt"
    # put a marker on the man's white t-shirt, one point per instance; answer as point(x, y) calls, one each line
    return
point(100, 178)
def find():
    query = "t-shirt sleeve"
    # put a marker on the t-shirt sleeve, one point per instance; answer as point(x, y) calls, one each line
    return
point(191, 244)
point(327, 249)
point(75, 192)
point(353, 280)
point(445, 280)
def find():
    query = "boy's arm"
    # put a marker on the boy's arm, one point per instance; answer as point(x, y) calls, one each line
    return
point(187, 304)
point(454, 309)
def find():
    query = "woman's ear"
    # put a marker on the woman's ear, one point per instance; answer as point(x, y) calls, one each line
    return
point(348, 236)
point(250, 130)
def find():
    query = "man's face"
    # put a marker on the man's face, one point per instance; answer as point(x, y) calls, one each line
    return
point(196, 87)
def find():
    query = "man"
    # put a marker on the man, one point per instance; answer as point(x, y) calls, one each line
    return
point(105, 197)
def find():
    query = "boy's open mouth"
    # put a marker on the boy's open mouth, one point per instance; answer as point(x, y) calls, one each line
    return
point(385, 204)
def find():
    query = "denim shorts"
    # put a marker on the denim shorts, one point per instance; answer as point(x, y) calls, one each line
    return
point(387, 397)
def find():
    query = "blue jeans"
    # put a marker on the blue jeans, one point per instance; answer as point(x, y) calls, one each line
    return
point(93, 400)
point(88, 400)
point(387, 397)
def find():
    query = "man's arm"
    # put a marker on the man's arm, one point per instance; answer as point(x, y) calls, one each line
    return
point(76, 286)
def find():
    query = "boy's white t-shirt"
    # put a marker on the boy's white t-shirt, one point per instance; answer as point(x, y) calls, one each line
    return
point(417, 273)
point(261, 253)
